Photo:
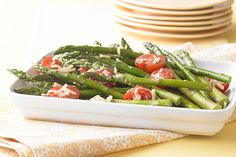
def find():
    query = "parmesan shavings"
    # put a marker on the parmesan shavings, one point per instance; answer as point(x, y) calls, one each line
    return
point(104, 56)
point(137, 96)
point(54, 58)
point(115, 71)
point(118, 60)
point(153, 92)
point(118, 50)
point(157, 75)
point(218, 84)
point(106, 72)
point(99, 98)
point(156, 59)
point(62, 92)
point(140, 60)
point(67, 69)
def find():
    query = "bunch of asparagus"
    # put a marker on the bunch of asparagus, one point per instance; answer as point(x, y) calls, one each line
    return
point(189, 88)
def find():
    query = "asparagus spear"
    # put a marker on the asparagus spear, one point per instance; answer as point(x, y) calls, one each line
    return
point(26, 77)
point(97, 43)
point(124, 44)
point(211, 74)
point(100, 50)
point(195, 96)
point(89, 93)
point(21, 74)
point(160, 92)
point(216, 95)
point(159, 102)
point(188, 104)
point(200, 71)
point(121, 66)
point(34, 90)
point(177, 100)
point(187, 59)
point(129, 79)
point(81, 56)
point(82, 80)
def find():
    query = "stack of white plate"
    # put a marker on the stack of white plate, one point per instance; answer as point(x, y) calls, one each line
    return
point(174, 18)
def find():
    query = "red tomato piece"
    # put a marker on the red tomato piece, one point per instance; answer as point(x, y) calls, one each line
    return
point(104, 72)
point(50, 61)
point(138, 93)
point(65, 91)
point(150, 62)
point(83, 69)
point(162, 73)
point(221, 86)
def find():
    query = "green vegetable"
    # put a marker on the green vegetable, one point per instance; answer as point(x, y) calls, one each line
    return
point(100, 50)
point(185, 56)
point(121, 66)
point(216, 95)
point(124, 44)
point(129, 79)
point(159, 102)
point(211, 74)
point(177, 100)
point(82, 80)
point(193, 95)
point(89, 93)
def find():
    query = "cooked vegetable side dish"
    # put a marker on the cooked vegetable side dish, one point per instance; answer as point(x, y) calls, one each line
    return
point(120, 75)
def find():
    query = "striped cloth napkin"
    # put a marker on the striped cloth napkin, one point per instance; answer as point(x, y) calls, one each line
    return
point(29, 138)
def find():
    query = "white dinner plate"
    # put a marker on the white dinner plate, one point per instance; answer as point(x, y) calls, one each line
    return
point(149, 16)
point(172, 12)
point(159, 34)
point(176, 23)
point(191, 29)
point(178, 4)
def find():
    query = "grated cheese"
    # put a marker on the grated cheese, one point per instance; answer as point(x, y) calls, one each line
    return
point(118, 50)
point(115, 70)
point(156, 59)
point(104, 56)
point(54, 58)
point(140, 60)
point(67, 69)
point(118, 60)
point(157, 75)
point(91, 70)
point(106, 72)
point(99, 98)
point(153, 94)
point(62, 92)
point(218, 84)
point(137, 96)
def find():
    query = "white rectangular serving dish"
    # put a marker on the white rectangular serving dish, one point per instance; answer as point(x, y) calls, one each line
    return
point(182, 120)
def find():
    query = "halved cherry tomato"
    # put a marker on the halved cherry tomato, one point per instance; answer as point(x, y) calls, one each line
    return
point(65, 91)
point(166, 73)
point(83, 69)
point(49, 61)
point(150, 62)
point(138, 93)
point(221, 86)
